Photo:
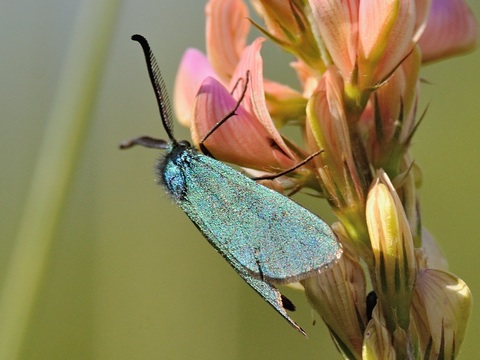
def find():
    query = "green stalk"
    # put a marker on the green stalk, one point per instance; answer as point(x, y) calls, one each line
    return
point(61, 147)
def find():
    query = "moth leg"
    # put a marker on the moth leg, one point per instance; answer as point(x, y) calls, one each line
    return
point(300, 164)
point(232, 113)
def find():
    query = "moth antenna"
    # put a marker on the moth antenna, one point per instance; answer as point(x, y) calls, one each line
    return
point(158, 86)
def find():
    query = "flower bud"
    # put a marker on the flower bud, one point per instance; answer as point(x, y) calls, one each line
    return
point(327, 129)
point(394, 268)
point(390, 116)
point(441, 307)
point(338, 294)
point(377, 342)
point(288, 25)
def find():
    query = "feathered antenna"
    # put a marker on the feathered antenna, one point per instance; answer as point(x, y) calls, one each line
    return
point(158, 86)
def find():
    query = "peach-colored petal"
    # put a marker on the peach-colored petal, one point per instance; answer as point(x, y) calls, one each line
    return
point(284, 103)
point(397, 98)
point(289, 26)
point(331, 115)
point(272, 11)
point(280, 91)
point(328, 127)
point(422, 9)
point(307, 77)
point(389, 118)
point(337, 23)
point(241, 139)
point(451, 29)
point(254, 101)
point(194, 68)
point(227, 29)
point(386, 30)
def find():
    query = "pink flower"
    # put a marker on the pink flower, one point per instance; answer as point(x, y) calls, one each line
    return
point(227, 28)
point(194, 68)
point(451, 29)
point(249, 138)
point(368, 39)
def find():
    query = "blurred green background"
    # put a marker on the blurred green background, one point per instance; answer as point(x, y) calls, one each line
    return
point(128, 275)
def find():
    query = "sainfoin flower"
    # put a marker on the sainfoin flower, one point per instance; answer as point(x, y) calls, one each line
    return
point(358, 63)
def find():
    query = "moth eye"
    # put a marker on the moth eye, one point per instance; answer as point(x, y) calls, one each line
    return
point(185, 143)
